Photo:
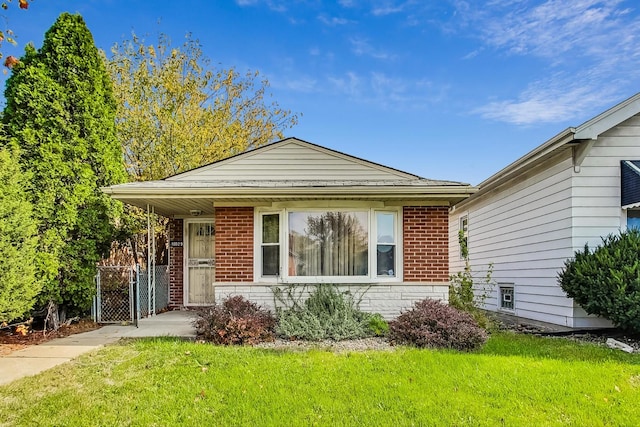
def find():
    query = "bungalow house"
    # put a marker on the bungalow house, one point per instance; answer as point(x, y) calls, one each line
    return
point(295, 213)
point(528, 218)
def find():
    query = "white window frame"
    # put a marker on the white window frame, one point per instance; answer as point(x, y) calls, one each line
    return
point(374, 247)
point(260, 244)
point(284, 276)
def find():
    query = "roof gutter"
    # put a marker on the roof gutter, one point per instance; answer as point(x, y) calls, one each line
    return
point(190, 192)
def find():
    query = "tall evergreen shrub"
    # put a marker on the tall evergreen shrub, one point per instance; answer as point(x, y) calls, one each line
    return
point(18, 284)
point(60, 112)
point(606, 281)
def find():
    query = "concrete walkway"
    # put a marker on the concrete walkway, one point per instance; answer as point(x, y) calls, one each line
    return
point(35, 359)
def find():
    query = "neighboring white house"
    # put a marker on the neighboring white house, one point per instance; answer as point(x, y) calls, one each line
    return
point(530, 217)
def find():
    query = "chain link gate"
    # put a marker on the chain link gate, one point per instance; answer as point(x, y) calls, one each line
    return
point(125, 293)
point(115, 289)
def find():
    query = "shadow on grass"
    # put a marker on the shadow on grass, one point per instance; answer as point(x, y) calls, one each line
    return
point(560, 348)
point(504, 344)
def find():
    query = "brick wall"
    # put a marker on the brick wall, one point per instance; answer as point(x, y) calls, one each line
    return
point(234, 244)
point(426, 241)
point(176, 271)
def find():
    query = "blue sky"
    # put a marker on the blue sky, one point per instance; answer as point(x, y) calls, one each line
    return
point(443, 89)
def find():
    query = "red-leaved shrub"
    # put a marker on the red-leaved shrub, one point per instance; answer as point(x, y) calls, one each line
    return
point(431, 323)
point(235, 321)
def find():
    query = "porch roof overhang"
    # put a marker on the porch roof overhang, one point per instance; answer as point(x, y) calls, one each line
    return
point(179, 198)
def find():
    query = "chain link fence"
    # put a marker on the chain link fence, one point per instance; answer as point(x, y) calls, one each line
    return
point(123, 293)
point(113, 302)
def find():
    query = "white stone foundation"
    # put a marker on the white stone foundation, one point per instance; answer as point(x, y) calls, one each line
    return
point(387, 299)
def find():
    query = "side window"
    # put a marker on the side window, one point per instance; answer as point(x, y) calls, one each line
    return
point(633, 219)
point(386, 244)
point(270, 244)
point(506, 295)
point(462, 237)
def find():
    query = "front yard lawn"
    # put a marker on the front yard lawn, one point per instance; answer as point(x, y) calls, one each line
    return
point(513, 380)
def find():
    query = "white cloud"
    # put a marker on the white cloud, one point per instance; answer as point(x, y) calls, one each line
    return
point(581, 44)
point(555, 28)
point(388, 8)
point(362, 47)
point(559, 98)
point(384, 91)
point(333, 21)
point(347, 3)
point(302, 84)
point(382, 11)
point(350, 84)
point(276, 6)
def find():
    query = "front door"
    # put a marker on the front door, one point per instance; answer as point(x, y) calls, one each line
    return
point(200, 260)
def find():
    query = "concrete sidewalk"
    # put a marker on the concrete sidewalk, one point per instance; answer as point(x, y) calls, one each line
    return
point(35, 359)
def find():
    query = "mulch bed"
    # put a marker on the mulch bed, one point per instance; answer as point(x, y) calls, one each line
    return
point(11, 341)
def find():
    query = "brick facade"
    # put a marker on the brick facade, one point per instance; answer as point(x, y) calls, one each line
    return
point(234, 244)
point(425, 250)
point(176, 265)
point(426, 243)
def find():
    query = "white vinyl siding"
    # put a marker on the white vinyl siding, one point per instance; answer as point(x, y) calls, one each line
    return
point(524, 229)
point(596, 189)
point(293, 161)
point(528, 227)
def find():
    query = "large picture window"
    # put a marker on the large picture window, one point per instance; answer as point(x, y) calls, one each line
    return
point(328, 244)
point(346, 244)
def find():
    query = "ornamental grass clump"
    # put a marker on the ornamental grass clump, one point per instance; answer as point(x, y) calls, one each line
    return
point(236, 321)
point(433, 324)
point(327, 313)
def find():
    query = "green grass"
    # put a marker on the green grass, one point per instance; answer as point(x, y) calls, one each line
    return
point(514, 380)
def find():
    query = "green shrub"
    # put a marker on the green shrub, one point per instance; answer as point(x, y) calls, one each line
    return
point(378, 326)
point(235, 321)
point(431, 323)
point(461, 287)
point(327, 313)
point(18, 241)
point(606, 281)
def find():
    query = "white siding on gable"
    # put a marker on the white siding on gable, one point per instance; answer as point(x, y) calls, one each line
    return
point(596, 188)
point(292, 160)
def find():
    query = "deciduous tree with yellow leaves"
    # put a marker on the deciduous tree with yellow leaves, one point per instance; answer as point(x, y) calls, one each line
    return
point(177, 112)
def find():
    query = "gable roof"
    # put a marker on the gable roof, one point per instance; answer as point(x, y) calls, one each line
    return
point(285, 171)
point(580, 139)
point(292, 158)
